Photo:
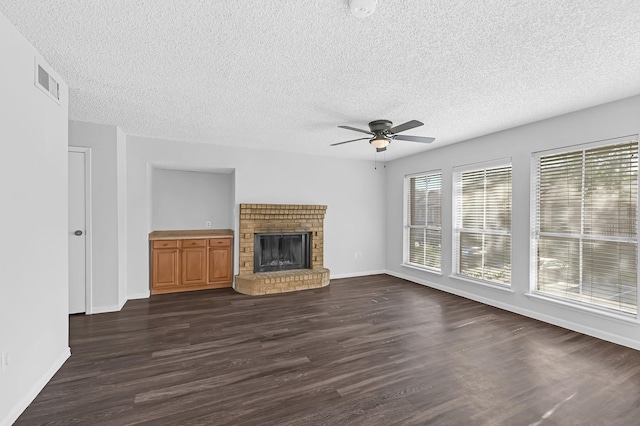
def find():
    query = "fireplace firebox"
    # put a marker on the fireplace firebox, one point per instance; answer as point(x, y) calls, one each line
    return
point(281, 251)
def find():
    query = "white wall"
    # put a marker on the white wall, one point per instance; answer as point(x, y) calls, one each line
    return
point(108, 176)
point(186, 199)
point(352, 190)
point(603, 122)
point(33, 253)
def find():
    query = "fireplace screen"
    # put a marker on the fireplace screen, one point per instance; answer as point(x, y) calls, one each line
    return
point(281, 252)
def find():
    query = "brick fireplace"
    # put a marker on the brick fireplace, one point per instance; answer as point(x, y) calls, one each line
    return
point(281, 218)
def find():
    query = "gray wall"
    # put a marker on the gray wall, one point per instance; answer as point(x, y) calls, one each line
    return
point(107, 212)
point(602, 122)
point(121, 167)
point(186, 199)
point(353, 191)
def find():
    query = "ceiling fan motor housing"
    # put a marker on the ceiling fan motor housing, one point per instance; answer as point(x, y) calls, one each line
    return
point(377, 126)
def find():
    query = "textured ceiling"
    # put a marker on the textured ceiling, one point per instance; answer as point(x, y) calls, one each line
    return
point(283, 74)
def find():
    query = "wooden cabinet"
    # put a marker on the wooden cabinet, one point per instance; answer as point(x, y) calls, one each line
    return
point(193, 262)
point(219, 261)
point(165, 263)
point(187, 264)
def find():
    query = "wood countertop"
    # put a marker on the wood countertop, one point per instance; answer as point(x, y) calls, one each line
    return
point(190, 233)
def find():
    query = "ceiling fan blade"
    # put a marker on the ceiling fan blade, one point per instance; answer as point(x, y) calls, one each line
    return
point(406, 126)
point(414, 138)
point(356, 130)
point(352, 140)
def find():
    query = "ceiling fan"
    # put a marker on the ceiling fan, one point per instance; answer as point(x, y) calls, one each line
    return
point(383, 133)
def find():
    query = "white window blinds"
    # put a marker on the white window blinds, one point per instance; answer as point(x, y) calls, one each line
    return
point(585, 226)
point(482, 218)
point(423, 227)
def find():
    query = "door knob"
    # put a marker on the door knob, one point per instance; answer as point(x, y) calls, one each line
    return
point(78, 233)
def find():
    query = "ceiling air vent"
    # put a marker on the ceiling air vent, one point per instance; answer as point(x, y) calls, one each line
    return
point(46, 83)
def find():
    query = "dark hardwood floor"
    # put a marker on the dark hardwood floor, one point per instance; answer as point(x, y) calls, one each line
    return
point(364, 351)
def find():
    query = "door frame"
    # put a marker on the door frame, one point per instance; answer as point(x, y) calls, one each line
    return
point(88, 306)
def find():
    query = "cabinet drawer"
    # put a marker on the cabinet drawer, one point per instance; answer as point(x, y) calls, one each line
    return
point(165, 244)
point(219, 242)
point(194, 243)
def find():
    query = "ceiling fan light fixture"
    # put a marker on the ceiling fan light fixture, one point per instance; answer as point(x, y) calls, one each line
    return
point(379, 141)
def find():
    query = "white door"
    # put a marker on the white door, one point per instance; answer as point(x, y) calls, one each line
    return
point(77, 232)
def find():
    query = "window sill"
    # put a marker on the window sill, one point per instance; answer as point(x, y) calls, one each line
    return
point(422, 268)
point(628, 319)
point(487, 284)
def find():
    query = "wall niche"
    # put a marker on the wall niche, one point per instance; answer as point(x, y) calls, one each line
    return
point(188, 199)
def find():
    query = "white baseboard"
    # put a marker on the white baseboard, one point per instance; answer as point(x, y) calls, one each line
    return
point(569, 325)
point(119, 306)
point(357, 274)
point(35, 390)
point(105, 309)
point(143, 295)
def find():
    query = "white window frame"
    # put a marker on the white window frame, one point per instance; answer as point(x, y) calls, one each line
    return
point(407, 225)
point(456, 229)
point(534, 234)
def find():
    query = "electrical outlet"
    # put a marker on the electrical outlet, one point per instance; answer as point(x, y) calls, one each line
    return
point(5, 360)
point(208, 224)
point(358, 255)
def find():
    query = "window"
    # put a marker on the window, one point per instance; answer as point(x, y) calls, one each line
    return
point(423, 227)
point(482, 222)
point(584, 245)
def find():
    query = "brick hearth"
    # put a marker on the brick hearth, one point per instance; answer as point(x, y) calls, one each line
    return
point(262, 218)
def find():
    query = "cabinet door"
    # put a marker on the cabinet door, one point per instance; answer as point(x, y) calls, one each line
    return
point(219, 270)
point(165, 268)
point(194, 265)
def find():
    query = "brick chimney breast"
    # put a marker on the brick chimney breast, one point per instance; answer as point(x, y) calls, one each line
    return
point(263, 218)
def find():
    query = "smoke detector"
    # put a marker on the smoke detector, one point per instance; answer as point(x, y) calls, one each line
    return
point(362, 8)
